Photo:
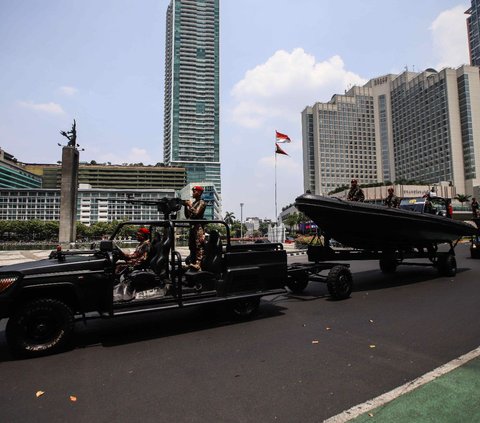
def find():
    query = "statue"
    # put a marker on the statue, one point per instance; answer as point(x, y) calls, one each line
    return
point(71, 135)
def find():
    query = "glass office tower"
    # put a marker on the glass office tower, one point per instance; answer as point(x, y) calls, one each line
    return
point(473, 28)
point(191, 121)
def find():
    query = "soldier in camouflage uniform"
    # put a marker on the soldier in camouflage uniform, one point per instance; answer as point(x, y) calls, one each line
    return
point(196, 238)
point(391, 200)
point(355, 193)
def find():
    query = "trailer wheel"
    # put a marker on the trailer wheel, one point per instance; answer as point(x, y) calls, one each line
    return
point(388, 264)
point(39, 327)
point(339, 282)
point(245, 308)
point(447, 265)
point(297, 283)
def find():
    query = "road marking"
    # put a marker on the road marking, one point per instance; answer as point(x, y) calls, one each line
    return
point(369, 405)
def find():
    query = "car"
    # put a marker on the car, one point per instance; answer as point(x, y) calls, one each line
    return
point(439, 205)
point(289, 240)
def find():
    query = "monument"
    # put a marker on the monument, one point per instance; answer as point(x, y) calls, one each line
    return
point(69, 187)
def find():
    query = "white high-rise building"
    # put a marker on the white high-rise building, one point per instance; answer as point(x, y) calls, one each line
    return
point(422, 127)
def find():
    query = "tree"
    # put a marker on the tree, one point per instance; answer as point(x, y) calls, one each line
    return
point(264, 227)
point(50, 230)
point(229, 218)
point(292, 220)
point(462, 198)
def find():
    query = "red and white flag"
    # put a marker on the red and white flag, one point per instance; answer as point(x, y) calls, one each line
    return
point(282, 137)
point(278, 150)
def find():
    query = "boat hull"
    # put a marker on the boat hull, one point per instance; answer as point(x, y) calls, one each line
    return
point(370, 226)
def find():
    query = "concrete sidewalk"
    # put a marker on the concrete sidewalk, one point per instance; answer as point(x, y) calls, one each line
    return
point(18, 256)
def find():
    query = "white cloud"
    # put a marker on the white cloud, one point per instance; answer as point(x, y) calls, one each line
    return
point(272, 96)
point(449, 34)
point(280, 88)
point(68, 90)
point(52, 108)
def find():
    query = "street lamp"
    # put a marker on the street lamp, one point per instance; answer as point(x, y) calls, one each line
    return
point(241, 220)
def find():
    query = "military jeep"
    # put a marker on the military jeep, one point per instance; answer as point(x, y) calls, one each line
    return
point(42, 299)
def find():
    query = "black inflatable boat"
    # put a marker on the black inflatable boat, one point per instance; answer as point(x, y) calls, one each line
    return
point(369, 226)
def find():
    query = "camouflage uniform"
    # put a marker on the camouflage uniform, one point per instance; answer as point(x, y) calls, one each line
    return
point(196, 236)
point(474, 208)
point(140, 253)
point(355, 194)
point(392, 201)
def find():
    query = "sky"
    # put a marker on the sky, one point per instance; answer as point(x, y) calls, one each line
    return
point(102, 63)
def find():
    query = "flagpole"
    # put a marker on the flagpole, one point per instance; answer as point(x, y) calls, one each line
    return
point(276, 215)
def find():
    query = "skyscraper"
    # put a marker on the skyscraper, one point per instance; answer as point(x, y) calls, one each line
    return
point(473, 28)
point(339, 141)
point(191, 120)
point(413, 126)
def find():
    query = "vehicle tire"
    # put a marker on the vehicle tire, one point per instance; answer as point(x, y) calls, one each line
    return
point(447, 265)
point(388, 263)
point(339, 282)
point(40, 327)
point(297, 283)
point(245, 308)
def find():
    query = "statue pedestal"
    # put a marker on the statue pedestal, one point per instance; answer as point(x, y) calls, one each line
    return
point(68, 198)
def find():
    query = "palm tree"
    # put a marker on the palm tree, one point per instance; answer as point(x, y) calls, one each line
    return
point(462, 198)
point(229, 218)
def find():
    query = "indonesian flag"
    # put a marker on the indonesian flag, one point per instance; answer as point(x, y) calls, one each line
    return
point(278, 150)
point(282, 137)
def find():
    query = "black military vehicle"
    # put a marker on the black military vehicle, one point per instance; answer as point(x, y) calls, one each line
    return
point(41, 299)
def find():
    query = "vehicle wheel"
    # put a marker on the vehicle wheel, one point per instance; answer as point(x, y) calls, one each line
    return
point(388, 264)
point(39, 327)
point(245, 308)
point(339, 282)
point(447, 265)
point(297, 283)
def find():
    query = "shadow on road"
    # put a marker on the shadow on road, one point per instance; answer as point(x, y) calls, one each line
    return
point(375, 279)
point(131, 329)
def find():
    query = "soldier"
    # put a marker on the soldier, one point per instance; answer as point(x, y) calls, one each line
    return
point(474, 207)
point(141, 251)
point(196, 238)
point(428, 208)
point(391, 200)
point(355, 193)
point(124, 290)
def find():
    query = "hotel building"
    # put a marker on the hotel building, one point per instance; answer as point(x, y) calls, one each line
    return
point(413, 126)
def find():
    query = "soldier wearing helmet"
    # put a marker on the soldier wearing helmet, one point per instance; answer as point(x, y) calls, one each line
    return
point(391, 200)
point(355, 193)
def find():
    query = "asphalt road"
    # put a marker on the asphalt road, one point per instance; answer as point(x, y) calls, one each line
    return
point(303, 358)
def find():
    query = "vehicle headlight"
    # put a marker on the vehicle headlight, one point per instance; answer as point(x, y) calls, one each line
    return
point(7, 280)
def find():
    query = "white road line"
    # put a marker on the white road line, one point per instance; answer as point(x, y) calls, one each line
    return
point(369, 405)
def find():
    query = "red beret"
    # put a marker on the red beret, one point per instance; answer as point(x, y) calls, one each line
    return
point(198, 188)
point(144, 231)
